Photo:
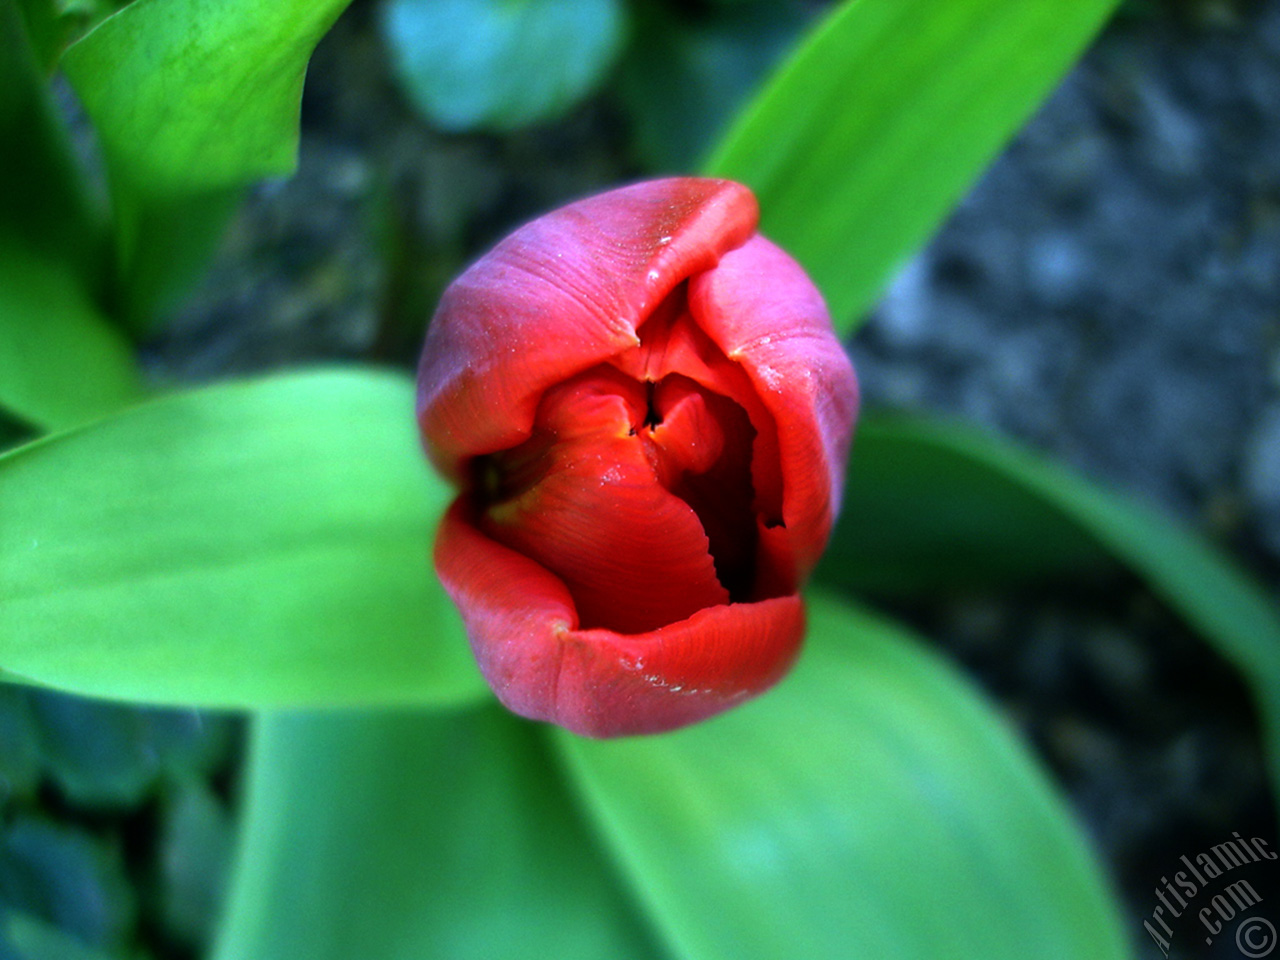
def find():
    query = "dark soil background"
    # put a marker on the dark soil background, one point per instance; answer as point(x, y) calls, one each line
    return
point(1110, 294)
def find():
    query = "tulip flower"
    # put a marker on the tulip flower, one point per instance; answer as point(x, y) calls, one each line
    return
point(647, 413)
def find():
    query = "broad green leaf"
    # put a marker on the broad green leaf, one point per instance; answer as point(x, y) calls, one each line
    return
point(61, 363)
point(191, 100)
point(956, 481)
point(251, 544)
point(54, 24)
point(44, 205)
point(189, 96)
point(862, 143)
point(402, 836)
point(500, 64)
point(872, 806)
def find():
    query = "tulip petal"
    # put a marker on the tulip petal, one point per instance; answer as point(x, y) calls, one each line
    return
point(514, 609)
point(701, 449)
point(599, 683)
point(559, 296)
point(612, 685)
point(672, 343)
point(649, 415)
point(763, 312)
point(633, 554)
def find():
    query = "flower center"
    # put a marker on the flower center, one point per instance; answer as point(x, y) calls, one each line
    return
point(636, 491)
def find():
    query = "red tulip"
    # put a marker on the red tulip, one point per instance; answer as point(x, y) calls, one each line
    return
point(648, 416)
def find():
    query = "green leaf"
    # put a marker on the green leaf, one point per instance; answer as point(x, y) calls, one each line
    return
point(1049, 519)
point(13, 430)
point(163, 246)
point(36, 940)
point(44, 30)
point(196, 840)
point(191, 100)
point(195, 95)
point(66, 875)
point(401, 836)
point(862, 143)
point(252, 544)
point(683, 76)
point(102, 754)
point(54, 24)
point(500, 64)
point(44, 206)
point(920, 518)
point(19, 745)
point(61, 363)
point(871, 806)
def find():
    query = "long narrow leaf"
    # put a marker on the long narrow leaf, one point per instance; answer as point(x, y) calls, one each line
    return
point(252, 544)
point(923, 488)
point(922, 518)
point(44, 203)
point(874, 129)
point(61, 362)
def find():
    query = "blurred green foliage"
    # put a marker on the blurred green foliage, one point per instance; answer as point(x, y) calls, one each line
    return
point(80, 779)
point(498, 66)
point(54, 25)
point(686, 71)
point(52, 213)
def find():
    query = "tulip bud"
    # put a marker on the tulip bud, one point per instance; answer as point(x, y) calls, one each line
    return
point(648, 415)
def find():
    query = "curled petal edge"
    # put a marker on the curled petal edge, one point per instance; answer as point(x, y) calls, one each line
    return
point(780, 333)
point(562, 294)
point(522, 626)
